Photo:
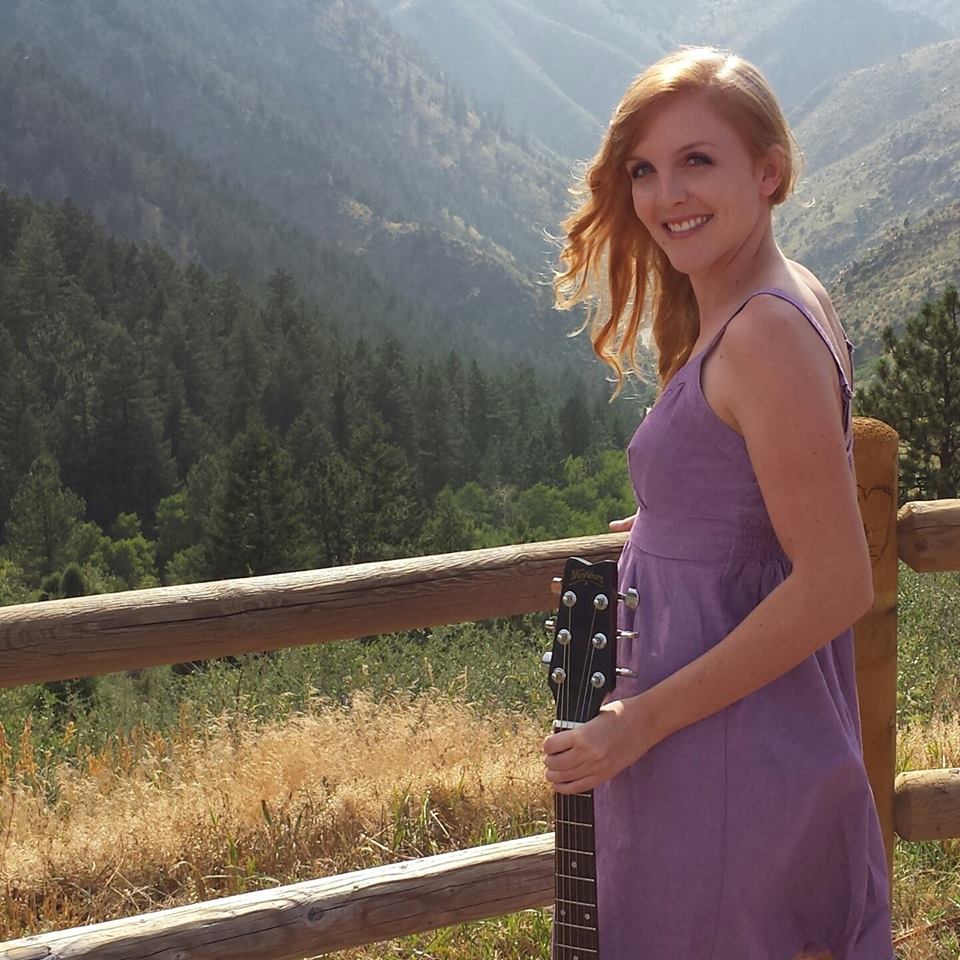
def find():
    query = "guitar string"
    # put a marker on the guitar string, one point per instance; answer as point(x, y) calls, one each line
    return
point(582, 709)
point(564, 803)
point(583, 696)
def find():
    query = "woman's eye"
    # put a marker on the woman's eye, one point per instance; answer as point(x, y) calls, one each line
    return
point(698, 159)
point(640, 171)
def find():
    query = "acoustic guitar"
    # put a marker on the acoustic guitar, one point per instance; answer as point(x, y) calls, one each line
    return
point(582, 671)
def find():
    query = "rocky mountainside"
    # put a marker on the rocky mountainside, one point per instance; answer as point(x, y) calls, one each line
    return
point(890, 282)
point(882, 146)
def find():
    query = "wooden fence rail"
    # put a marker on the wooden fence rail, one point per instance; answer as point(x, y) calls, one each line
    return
point(320, 916)
point(69, 638)
point(88, 636)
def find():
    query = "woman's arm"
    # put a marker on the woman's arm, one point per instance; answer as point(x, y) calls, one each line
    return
point(780, 382)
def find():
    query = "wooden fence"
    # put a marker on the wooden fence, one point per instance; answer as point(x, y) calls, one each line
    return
point(62, 639)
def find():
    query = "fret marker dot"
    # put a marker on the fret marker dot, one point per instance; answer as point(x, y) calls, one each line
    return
point(563, 912)
point(573, 863)
point(586, 916)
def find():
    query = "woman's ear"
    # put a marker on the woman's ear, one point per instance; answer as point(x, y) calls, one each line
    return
point(770, 169)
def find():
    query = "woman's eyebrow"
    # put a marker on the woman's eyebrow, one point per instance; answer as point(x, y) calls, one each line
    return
point(685, 147)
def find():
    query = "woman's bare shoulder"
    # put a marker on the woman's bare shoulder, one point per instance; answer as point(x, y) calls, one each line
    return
point(809, 280)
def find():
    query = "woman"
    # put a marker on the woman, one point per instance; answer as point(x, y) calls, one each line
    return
point(734, 819)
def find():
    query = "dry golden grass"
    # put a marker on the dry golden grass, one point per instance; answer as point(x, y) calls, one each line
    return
point(926, 901)
point(155, 822)
point(160, 822)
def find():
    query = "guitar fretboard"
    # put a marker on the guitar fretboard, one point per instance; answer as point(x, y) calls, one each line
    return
point(575, 879)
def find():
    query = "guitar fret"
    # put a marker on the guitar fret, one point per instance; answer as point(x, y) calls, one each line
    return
point(575, 823)
point(584, 853)
point(574, 926)
point(574, 952)
point(564, 876)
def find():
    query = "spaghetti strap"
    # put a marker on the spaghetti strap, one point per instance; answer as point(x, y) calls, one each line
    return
point(846, 388)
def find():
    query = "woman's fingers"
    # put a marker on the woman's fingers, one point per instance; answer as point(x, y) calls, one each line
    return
point(619, 526)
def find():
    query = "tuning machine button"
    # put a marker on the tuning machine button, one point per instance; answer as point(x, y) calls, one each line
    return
point(547, 658)
point(630, 597)
point(625, 672)
point(627, 634)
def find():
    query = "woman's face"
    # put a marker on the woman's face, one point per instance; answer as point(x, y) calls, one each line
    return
point(695, 186)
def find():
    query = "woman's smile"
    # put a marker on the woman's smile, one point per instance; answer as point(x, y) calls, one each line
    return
point(687, 226)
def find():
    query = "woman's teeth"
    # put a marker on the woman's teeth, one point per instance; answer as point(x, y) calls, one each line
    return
point(685, 225)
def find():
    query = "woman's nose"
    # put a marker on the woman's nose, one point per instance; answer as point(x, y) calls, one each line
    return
point(672, 189)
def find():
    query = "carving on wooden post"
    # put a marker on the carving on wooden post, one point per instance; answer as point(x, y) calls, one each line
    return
point(876, 447)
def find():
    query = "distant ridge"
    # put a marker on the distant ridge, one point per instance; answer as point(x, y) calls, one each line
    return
point(884, 145)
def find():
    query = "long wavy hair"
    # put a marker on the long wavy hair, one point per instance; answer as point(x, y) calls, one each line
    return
point(611, 262)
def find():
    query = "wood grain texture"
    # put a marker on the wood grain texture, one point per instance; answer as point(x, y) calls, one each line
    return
point(928, 535)
point(320, 916)
point(875, 634)
point(927, 804)
point(89, 636)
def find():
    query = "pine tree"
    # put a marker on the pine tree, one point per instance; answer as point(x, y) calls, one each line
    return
point(37, 282)
point(43, 515)
point(917, 392)
point(253, 525)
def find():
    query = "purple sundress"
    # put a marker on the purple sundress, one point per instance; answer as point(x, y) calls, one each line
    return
point(751, 834)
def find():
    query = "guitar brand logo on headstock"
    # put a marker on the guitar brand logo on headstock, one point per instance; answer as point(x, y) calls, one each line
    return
point(586, 575)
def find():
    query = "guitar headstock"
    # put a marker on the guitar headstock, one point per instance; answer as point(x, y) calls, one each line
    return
point(583, 660)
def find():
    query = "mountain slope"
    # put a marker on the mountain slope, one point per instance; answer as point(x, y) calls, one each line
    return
point(913, 263)
point(396, 157)
point(558, 70)
point(884, 145)
point(820, 41)
point(944, 12)
point(555, 69)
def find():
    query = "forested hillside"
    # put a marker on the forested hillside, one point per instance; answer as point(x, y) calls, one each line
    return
point(882, 146)
point(891, 281)
point(163, 423)
point(322, 115)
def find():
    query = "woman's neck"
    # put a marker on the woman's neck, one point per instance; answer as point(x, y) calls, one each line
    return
point(757, 262)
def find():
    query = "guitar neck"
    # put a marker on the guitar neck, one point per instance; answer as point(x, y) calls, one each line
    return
point(575, 879)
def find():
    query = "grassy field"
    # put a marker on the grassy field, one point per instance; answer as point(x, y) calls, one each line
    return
point(320, 761)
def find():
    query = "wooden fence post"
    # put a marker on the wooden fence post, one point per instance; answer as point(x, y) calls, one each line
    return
point(876, 448)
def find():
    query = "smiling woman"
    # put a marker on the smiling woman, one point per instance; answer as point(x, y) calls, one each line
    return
point(734, 818)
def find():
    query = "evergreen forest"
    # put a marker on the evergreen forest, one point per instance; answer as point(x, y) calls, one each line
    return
point(162, 424)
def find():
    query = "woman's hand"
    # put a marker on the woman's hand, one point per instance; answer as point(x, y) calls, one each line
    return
point(620, 526)
point(621, 733)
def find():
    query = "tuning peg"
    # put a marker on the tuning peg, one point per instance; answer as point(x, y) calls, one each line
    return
point(547, 658)
point(631, 598)
point(555, 584)
point(627, 634)
point(549, 625)
point(624, 672)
